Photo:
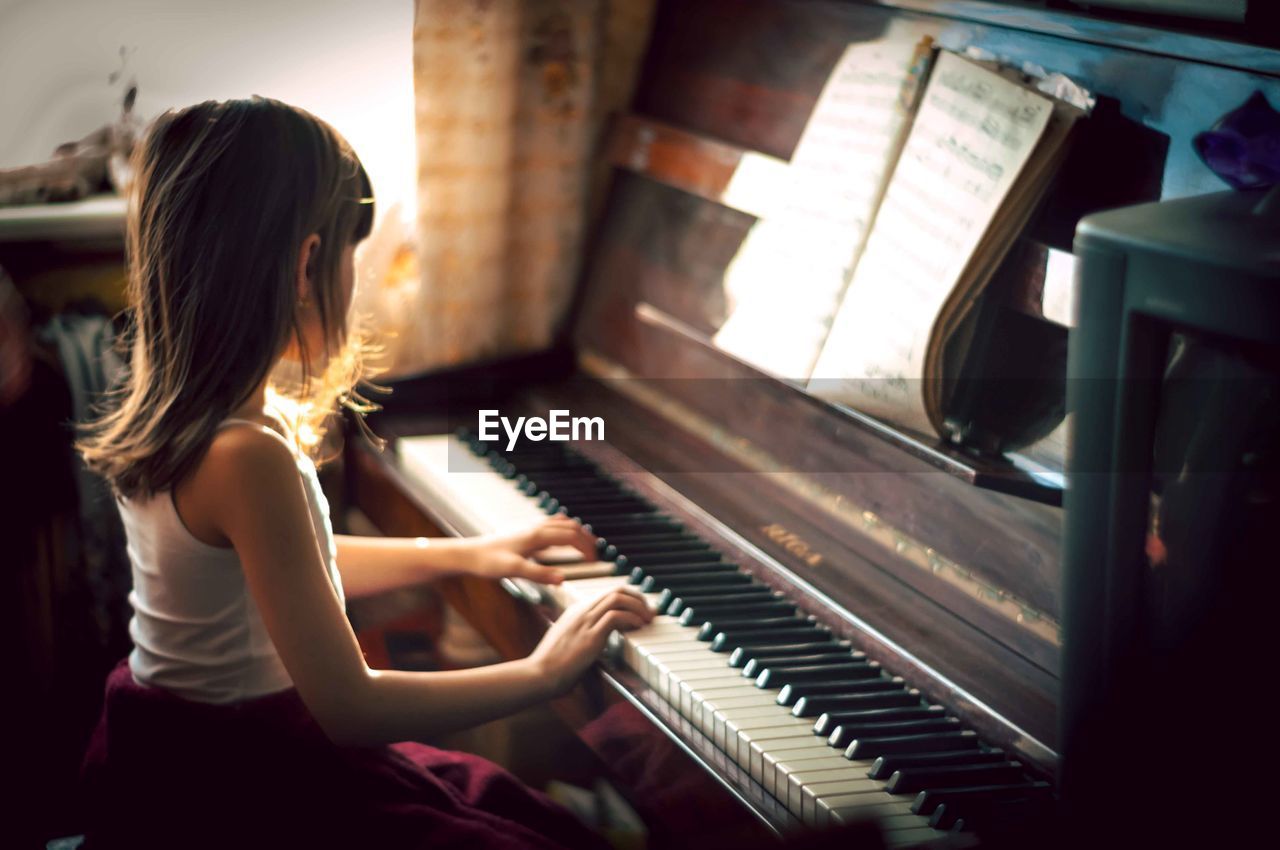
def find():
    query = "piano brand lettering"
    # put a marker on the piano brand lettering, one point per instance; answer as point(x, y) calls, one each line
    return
point(560, 426)
point(791, 541)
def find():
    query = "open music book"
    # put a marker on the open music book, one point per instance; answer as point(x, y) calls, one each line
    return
point(796, 261)
point(905, 201)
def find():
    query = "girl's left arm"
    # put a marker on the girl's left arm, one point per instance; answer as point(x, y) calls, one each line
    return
point(372, 565)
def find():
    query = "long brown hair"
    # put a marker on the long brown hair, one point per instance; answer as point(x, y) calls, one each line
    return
point(224, 195)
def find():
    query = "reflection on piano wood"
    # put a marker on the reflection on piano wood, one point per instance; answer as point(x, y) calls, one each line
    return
point(819, 734)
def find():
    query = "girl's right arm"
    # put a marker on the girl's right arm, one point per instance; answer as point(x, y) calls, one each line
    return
point(254, 496)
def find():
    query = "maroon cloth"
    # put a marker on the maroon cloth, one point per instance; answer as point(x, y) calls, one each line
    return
point(164, 771)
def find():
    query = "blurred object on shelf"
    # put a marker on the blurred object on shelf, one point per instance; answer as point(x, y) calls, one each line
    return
point(1243, 147)
point(97, 163)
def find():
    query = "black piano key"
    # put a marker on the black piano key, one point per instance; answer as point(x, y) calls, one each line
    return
point(994, 816)
point(638, 520)
point(660, 538)
point(928, 800)
point(651, 583)
point(886, 766)
point(706, 612)
point(579, 485)
point(677, 556)
point(598, 517)
point(658, 547)
point(828, 722)
point(578, 476)
point(543, 492)
point(714, 578)
point(586, 491)
point(792, 694)
point(639, 574)
point(707, 631)
point(673, 602)
point(590, 488)
point(912, 780)
point(743, 654)
point(814, 706)
point(846, 733)
point(599, 511)
point(805, 693)
point(539, 469)
point(728, 641)
point(848, 689)
point(676, 605)
point(544, 457)
point(870, 748)
point(777, 675)
point(679, 569)
point(753, 668)
point(610, 550)
point(652, 524)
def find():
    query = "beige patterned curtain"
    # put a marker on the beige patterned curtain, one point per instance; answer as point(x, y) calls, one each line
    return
point(511, 99)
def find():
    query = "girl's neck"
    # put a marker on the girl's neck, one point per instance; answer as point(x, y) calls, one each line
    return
point(255, 408)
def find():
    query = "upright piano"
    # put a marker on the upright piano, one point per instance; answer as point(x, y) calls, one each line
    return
point(856, 621)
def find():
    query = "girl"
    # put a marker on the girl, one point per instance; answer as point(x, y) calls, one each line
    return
point(246, 714)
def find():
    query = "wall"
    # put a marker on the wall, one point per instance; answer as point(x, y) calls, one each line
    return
point(348, 62)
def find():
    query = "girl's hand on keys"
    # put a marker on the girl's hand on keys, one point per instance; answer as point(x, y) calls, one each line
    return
point(578, 637)
point(508, 556)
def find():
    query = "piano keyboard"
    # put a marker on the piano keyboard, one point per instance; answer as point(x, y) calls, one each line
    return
point(819, 726)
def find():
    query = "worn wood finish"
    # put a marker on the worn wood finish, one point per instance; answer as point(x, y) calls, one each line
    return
point(679, 158)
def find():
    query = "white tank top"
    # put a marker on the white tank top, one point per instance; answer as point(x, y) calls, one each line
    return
point(196, 629)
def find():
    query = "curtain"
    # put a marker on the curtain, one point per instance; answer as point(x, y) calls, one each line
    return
point(511, 99)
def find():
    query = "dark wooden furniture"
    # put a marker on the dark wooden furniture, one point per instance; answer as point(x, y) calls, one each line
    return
point(940, 562)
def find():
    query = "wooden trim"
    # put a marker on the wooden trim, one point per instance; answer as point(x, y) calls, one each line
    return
point(713, 170)
point(1105, 31)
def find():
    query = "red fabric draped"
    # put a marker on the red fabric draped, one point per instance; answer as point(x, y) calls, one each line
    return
point(164, 771)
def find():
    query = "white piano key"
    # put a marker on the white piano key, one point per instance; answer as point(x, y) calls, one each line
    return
point(743, 730)
point(471, 496)
point(781, 776)
point(764, 765)
point(912, 837)
point(803, 789)
point(868, 807)
point(756, 700)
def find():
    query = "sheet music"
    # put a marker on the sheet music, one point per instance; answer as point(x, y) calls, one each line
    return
point(786, 281)
point(972, 135)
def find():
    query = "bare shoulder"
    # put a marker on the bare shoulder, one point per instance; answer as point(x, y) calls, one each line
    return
point(248, 454)
point(245, 469)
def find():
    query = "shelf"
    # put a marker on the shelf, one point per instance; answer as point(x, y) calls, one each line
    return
point(95, 219)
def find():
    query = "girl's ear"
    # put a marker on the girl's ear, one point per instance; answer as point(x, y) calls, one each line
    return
point(307, 256)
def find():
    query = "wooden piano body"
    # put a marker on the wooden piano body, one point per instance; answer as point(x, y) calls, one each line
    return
point(941, 565)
